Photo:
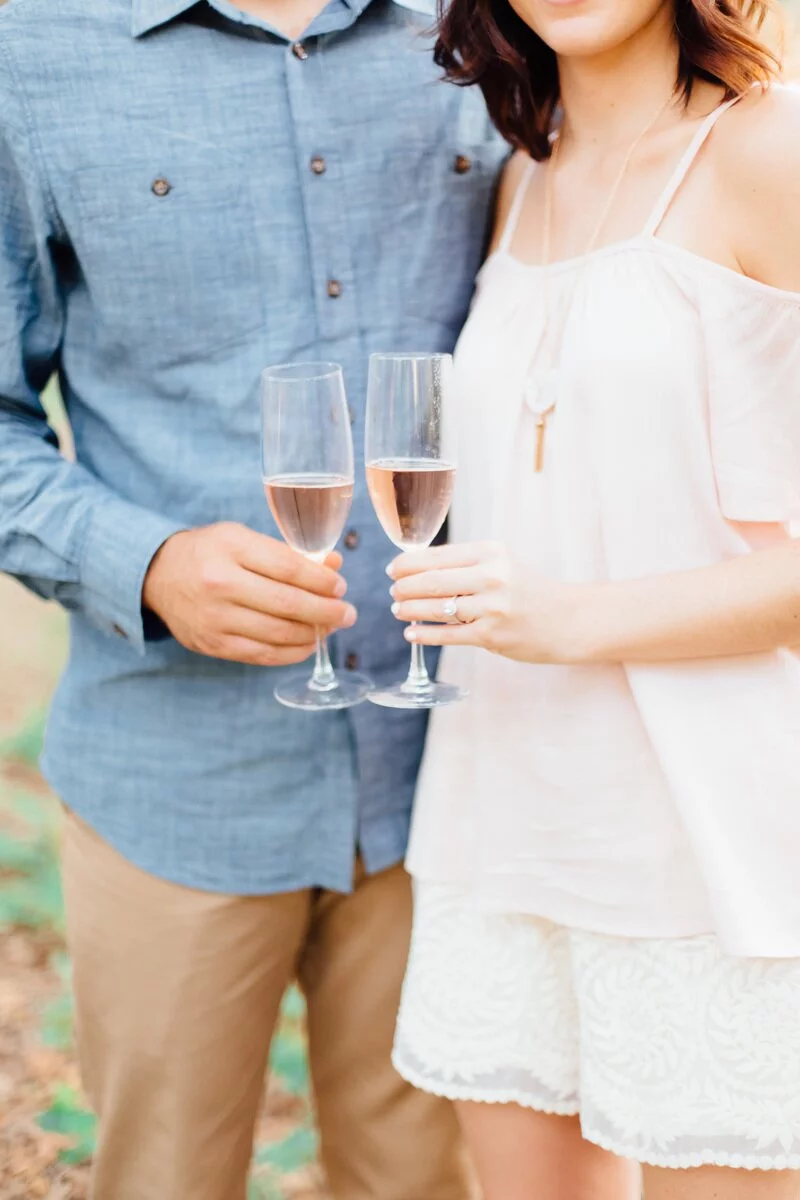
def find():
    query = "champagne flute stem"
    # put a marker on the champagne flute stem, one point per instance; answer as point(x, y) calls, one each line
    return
point(418, 679)
point(323, 678)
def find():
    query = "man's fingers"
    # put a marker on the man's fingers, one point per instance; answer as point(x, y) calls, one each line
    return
point(266, 629)
point(436, 558)
point(244, 650)
point(253, 591)
point(272, 559)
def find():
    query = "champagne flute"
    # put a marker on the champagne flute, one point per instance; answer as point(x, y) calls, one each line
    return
point(411, 467)
point(307, 468)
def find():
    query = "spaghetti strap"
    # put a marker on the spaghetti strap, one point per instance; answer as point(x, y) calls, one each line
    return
point(684, 166)
point(516, 207)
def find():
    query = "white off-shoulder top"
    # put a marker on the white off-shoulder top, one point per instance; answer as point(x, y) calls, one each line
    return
point(637, 800)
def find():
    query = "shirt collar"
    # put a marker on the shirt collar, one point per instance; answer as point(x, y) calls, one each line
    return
point(149, 14)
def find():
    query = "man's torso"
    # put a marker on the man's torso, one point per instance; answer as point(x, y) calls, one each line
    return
point(221, 201)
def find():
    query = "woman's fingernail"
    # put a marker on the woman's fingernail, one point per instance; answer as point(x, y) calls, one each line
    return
point(340, 589)
point(411, 634)
point(350, 616)
point(392, 590)
point(395, 609)
point(390, 570)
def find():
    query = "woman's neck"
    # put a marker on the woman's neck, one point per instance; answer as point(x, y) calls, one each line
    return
point(608, 98)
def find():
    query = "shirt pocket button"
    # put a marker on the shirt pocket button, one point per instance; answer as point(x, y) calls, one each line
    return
point(161, 187)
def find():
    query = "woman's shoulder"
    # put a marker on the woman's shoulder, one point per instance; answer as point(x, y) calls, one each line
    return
point(511, 181)
point(756, 155)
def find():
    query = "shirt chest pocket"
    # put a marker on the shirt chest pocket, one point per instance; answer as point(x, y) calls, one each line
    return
point(169, 256)
point(432, 179)
point(442, 213)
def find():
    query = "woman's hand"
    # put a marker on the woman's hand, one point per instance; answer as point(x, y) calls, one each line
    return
point(745, 605)
point(504, 607)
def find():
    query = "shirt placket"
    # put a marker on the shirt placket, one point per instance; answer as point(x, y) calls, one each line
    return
point(321, 173)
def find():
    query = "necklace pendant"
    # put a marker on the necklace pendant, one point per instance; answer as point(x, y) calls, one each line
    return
point(541, 397)
point(541, 391)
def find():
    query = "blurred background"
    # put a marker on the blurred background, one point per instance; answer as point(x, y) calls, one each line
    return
point(46, 1129)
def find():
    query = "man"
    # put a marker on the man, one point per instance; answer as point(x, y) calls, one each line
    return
point(188, 193)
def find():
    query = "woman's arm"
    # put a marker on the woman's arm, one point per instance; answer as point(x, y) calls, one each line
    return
point(744, 606)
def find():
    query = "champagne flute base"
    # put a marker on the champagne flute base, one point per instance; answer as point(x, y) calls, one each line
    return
point(434, 695)
point(296, 692)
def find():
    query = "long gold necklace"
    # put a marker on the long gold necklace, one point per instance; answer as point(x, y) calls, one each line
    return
point(542, 388)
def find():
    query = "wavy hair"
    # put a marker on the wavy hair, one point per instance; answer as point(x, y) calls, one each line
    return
point(484, 42)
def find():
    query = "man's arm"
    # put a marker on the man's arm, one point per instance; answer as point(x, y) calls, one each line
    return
point(224, 590)
point(62, 533)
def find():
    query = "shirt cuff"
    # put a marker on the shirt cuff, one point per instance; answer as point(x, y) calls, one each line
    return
point(121, 542)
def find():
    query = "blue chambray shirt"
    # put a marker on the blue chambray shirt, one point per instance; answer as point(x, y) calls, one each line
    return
point(186, 198)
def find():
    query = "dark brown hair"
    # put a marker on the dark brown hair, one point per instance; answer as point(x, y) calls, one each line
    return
point(484, 42)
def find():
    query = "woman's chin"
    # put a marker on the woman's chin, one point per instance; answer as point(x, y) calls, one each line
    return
point(578, 36)
point(585, 28)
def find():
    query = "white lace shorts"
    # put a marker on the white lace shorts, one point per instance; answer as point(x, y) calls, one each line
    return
point(671, 1052)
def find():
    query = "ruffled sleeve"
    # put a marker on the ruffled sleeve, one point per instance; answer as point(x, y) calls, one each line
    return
point(716, 448)
point(753, 361)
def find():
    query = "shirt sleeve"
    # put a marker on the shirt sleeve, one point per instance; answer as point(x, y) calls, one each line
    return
point(753, 353)
point(63, 533)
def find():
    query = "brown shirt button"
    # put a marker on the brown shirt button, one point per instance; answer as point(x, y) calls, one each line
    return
point(462, 164)
point(351, 662)
point(318, 165)
point(299, 51)
point(351, 540)
point(334, 289)
point(161, 186)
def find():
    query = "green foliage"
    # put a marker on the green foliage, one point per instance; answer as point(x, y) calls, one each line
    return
point(297, 1150)
point(288, 1061)
point(67, 1116)
point(30, 895)
point(57, 1023)
point(289, 1067)
point(25, 745)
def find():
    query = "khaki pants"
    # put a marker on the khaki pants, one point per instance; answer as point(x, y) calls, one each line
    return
point(177, 994)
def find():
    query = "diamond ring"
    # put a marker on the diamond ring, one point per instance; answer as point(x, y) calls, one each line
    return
point(450, 607)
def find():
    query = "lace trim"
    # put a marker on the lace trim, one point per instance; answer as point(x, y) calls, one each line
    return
point(704, 1158)
point(682, 1162)
point(460, 1091)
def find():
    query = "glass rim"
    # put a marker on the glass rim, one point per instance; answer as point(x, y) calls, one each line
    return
point(301, 372)
point(412, 356)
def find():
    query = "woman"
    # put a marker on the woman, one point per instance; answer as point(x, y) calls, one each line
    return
point(606, 959)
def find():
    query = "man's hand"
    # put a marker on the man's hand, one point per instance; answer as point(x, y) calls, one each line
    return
point(228, 592)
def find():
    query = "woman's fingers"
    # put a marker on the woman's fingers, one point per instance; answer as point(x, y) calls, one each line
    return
point(445, 635)
point(468, 608)
point(459, 581)
point(437, 558)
